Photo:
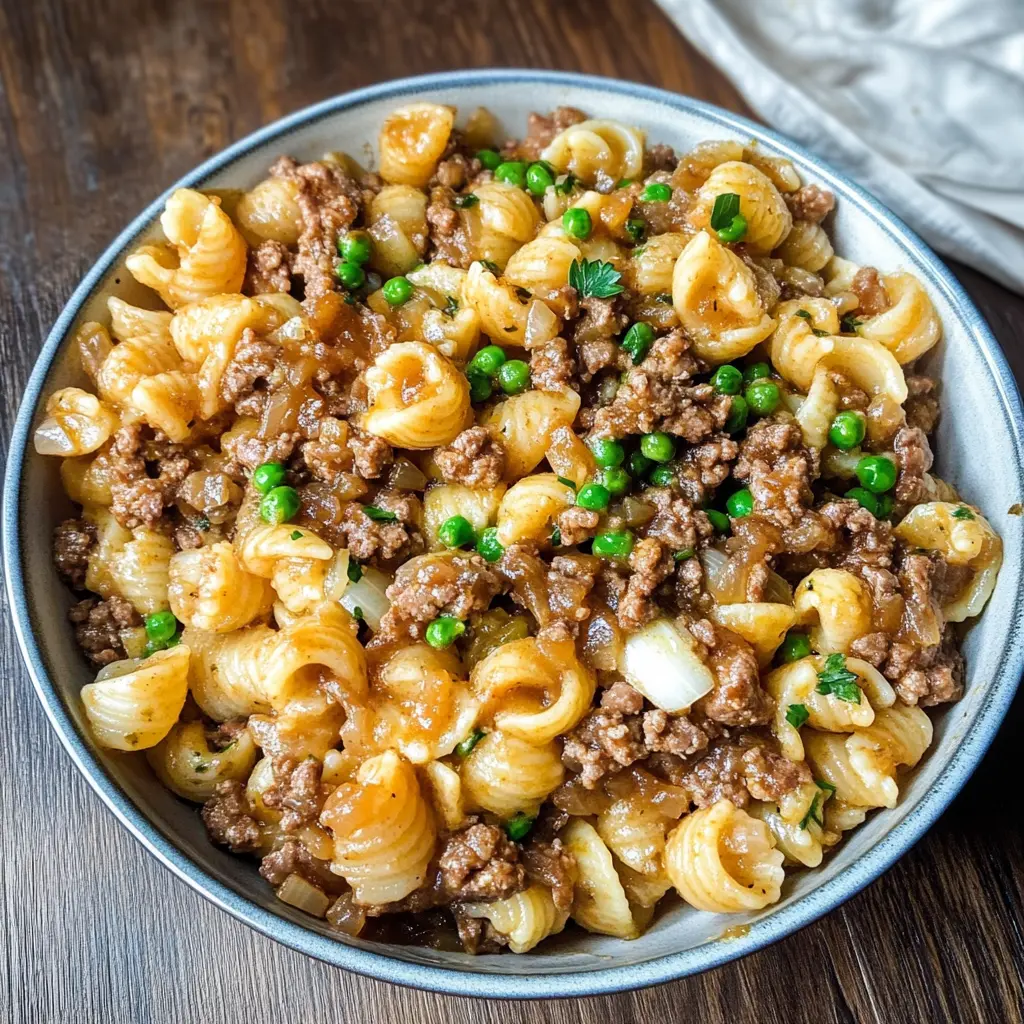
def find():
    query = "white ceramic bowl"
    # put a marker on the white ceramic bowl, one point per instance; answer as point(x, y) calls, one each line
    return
point(979, 448)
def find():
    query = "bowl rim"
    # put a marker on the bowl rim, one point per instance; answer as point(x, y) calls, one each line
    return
point(436, 978)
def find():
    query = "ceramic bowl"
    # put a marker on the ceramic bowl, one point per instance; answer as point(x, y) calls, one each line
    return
point(979, 448)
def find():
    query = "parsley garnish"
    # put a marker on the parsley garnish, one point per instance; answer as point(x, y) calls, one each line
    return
point(665, 297)
point(354, 571)
point(201, 523)
point(727, 206)
point(962, 513)
point(566, 185)
point(556, 537)
point(524, 294)
point(379, 515)
point(518, 828)
point(827, 786)
point(357, 613)
point(803, 313)
point(683, 556)
point(451, 305)
point(490, 265)
point(639, 250)
point(811, 815)
point(850, 323)
point(565, 480)
point(466, 201)
point(635, 228)
point(838, 680)
point(818, 333)
point(296, 535)
point(467, 745)
point(797, 715)
point(594, 279)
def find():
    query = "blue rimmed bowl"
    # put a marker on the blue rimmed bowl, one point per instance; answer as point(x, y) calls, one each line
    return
point(979, 448)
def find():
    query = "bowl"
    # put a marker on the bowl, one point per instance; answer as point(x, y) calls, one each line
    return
point(981, 414)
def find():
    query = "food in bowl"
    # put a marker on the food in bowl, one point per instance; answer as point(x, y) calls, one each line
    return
point(519, 533)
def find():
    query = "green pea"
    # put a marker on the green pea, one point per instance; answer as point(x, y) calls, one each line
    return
point(662, 476)
point(740, 504)
point(885, 504)
point(489, 546)
point(719, 520)
point(727, 380)
point(160, 627)
point(613, 545)
point(763, 397)
point(638, 341)
point(876, 473)
point(268, 476)
point(490, 158)
point(607, 452)
point(455, 532)
point(616, 479)
point(351, 275)
point(480, 387)
point(514, 376)
point(442, 632)
point(356, 247)
point(738, 413)
point(593, 497)
point(279, 505)
point(735, 231)
point(794, 647)
point(513, 172)
point(658, 446)
point(756, 371)
point(518, 828)
point(488, 360)
point(656, 192)
point(640, 465)
point(577, 222)
point(398, 290)
point(539, 177)
point(847, 430)
point(865, 499)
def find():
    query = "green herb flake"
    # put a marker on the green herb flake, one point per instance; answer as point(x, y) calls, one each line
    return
point(201, 523)
point(556, 537)
point(490, 265)
point(683, 556)
point(803, 313)
point(296, 535)
point(850, 323)
point(826, 786)
point(797, 715)
point(838, 680)
point(818, 333)
point(811, 815)
point(518, 828)
point(594, 279)
point(664, 297)
point(354, 571)
point(962, 513)
point(467, 201)
point(565, 480)
point(379, 515)
point(566, 185)
point(451, 306)
point(727, 206)
point(524, 294)
point(466, 746)
point(357, 614)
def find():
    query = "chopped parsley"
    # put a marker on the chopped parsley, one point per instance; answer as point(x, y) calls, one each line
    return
point(357, 614)
point(635, 228)
point(466, 746)
point(451, 305)
point(594, 279)
point(566, 185)
point(556, 537)
point(354, 571)
point(962, 513)
point(803, 313)
point(296, 535)
point(664, 297)
point(565, 480)
point(524, 294)
point(850, 323)
point(201, 523)
point(466, 201)
point(685, 555)
point(827, 786)
point(818, 333)
point(811, 815)
point(518, 828)
point(379, 515)
point(838, 680)
point(490, 265)
point(797, 715)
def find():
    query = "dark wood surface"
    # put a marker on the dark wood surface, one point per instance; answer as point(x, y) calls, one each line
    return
point(103, 104)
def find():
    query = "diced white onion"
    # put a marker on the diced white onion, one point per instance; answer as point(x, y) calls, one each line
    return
point(661, 661)
point(337, 580)
point(541, 325)
point(368, 596)
point(297, 892)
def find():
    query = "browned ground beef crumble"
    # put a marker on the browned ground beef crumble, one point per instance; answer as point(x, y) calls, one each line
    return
point(721, 747)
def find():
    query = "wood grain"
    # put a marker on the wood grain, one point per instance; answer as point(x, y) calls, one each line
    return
point(103, 104)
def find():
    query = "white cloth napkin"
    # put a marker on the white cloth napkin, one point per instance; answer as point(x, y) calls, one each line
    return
point(920, 101)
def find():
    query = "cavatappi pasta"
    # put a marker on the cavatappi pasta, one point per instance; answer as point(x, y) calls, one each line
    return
point(518, 532)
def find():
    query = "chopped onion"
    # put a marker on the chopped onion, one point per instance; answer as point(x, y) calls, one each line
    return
point(406, 477)
point(346, 915)
point(337, 581)
point(297, 892)
point(368, 596)
point(541, 325)
point(661, 661)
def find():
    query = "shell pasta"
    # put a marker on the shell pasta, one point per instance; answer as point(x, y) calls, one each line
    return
point(510, 537)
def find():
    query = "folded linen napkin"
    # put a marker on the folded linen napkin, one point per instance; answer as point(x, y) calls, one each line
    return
point(920, 101)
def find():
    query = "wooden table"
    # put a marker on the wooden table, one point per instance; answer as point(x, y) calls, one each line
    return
point(105, 103)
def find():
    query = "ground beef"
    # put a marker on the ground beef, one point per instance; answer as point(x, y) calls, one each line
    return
point(269, 269)
point(329, 202)
point(368, 538)
point(659, 157)
point(256, 366)
point(868, 288)
point(449, 239)
point(738, 770)
point(476, 458)
point(922, 405)
point(540, 130)
point(145, 476)
point(703, 468)
point(577, 524)
point(914, 458)
point(370, 454)
point(737, 698)
point(477, 934)
point(676, 523)
point(926, 676)
point(228, 819)
point(810, 202)
point(292, 858)
point(187, 537)
point(72, 541)
point(479, 863)
point(295, 791)
point(456, 171)
point(621, 697)
point(598, 354)
point(872, 647)
point(428, 587)
point(861, 539)
point(552, 367)
point(550, 863)
point(250, 451)
point(569, 582)
point(778, 469)
point(600, 322)
point(98, 625)
point(673, 734)
point(651, 564)
point(602, 743)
